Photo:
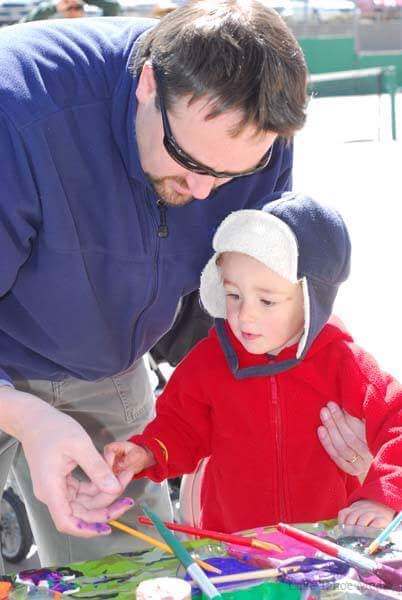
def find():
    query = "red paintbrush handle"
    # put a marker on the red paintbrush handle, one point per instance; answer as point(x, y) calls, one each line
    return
point(308, 538)
point(204, 533)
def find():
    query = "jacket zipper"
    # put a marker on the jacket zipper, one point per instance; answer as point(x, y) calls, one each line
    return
point(278, 438)
point(163, 230)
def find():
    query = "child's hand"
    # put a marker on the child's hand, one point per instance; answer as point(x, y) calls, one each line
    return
point(127, 459)
point(366, 513)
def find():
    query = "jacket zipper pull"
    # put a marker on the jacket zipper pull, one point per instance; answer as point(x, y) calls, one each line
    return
point(163, 230)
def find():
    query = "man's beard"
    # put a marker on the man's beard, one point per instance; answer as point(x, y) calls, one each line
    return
point(167, 194)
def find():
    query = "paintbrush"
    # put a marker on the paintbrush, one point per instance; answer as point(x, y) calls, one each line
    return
point(215, 535)
point(384, 535)
point(390, 576)
point(158, 544)
point(252, 575)
point(184, 557)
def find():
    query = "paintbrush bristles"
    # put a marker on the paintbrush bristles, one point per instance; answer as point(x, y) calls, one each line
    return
point(373, 547)
point(384, 535)
point(266, 545)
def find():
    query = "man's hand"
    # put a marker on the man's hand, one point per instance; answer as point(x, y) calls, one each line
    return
point(86, 499)
point(344, 439)
point(366, 513)
point(54, 445)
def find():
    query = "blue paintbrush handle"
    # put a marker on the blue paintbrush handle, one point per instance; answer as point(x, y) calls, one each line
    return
point(198, 575)
point(184, 557)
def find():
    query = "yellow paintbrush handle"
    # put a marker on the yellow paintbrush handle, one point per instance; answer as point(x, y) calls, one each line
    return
point(141, 536)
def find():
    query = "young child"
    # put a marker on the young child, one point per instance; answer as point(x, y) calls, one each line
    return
point(249, 396)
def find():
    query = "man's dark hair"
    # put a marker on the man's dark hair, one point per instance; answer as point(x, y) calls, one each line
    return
point(239, 54)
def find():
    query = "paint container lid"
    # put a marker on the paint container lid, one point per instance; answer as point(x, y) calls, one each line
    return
point(164, 588)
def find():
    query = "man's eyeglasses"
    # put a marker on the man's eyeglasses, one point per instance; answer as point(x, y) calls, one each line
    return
point(184, 159)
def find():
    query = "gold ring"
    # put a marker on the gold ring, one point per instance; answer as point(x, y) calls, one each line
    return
point(354, 458)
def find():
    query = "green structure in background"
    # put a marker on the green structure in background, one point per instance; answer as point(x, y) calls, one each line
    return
point(351, 53)
point(358, 82)
point(338, 53)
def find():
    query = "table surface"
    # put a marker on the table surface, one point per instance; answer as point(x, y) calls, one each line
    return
point(118, 576)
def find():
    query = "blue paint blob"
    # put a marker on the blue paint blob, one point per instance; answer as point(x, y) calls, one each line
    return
point(228, 565)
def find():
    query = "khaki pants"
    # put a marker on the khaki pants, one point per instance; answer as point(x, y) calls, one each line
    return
point(110, 409)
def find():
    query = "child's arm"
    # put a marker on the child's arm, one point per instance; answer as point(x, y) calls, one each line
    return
point(179, 436)
point(375, 396)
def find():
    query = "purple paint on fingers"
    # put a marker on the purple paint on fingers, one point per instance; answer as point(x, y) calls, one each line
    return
point(93, 527)
point(117, 506)
point(124, 502)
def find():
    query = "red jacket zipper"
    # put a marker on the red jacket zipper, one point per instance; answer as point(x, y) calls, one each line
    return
point(277, 421)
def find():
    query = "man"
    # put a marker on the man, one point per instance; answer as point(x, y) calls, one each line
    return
point(122, 147)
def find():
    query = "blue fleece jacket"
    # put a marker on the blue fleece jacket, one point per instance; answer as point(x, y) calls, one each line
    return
point(88, 283)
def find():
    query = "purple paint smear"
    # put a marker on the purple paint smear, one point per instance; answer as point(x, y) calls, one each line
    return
point(315, 572)
point(54, 580)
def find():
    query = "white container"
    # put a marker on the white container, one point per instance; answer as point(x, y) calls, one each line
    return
point(164, 588)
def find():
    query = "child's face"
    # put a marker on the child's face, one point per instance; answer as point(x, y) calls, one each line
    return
point(264, 310)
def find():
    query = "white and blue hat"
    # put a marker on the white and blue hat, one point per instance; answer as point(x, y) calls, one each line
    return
point(300, 240)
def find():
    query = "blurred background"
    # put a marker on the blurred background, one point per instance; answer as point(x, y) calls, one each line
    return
point(349, 155)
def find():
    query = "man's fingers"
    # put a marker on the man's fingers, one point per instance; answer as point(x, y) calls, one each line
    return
point(102, 515)
point(90, 530)
point(100, 500)
point(98, 471)
point(88, 488)
point(71, 524)
point(347, 436)
point(79, 523)
point(346, 466)
point(342, 422)
point(337, 440)
point(59, 506)
point(358, 426)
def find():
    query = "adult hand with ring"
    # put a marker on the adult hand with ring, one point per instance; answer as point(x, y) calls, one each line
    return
point(344, 439)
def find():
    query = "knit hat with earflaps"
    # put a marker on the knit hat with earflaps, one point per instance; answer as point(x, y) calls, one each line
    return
point(297, 238)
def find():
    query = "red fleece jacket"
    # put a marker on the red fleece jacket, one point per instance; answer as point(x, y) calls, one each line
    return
point(266, 461)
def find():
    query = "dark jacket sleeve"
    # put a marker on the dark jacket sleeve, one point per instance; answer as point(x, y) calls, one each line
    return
point(375, 396)
point(179, 436)
point(20, 213)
